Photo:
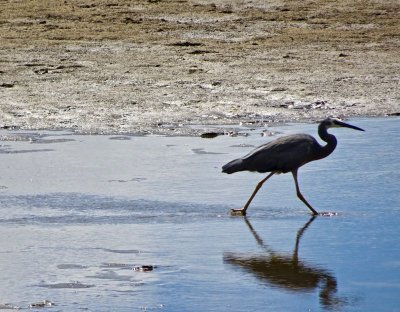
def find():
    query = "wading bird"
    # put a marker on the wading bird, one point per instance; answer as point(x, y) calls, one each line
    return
point(287, 154)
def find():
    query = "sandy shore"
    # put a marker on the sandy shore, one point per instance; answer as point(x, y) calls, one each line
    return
point(156, 66)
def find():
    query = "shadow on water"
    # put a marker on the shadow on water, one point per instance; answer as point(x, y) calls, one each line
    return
point(288, 272)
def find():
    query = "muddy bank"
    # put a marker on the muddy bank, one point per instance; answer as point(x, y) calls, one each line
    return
point(157, 66)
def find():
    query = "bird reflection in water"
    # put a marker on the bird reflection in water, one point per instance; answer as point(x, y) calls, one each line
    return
point(287, 271)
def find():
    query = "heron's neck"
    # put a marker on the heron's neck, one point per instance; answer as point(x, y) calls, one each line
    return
point(330, 139)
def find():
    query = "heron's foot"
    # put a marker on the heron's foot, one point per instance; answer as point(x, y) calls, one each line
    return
point(238, 212)
point(328, 214)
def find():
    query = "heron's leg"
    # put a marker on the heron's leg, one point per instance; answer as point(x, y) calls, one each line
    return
point(300, 196)
point(258, 186)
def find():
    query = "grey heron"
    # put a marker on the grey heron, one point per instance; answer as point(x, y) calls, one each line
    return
point(287, 154)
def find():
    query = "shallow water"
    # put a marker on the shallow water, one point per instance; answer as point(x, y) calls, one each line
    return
point(81, 215)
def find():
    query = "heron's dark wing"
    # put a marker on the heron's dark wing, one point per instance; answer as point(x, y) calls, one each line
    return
point(283, 154)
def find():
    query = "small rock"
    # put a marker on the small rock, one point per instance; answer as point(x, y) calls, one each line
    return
point(216, 83)
point(279, 89)
point(41, 71)
point(6, 85)
point(267, 133)
point(143, 268)
point(231, 133)
point(186, 44)
point(194, 70)
point(210, 135)
point(42, 304)
point(199, 52)
point(9, 127)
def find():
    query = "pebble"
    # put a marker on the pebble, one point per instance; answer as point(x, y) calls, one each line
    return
point(42, 304)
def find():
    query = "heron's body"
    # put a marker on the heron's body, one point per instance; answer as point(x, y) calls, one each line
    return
point(278, 155)
point(287, 154)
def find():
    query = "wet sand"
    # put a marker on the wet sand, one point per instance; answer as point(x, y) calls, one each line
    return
point(152, 66)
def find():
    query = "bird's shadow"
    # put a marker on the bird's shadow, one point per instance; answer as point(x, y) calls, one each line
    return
point(287, 272)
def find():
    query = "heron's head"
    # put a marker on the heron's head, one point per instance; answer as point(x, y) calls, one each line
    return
point(331, 122)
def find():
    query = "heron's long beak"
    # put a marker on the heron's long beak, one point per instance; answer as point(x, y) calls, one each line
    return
point(343, 124)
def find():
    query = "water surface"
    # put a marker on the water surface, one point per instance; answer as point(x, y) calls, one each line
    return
point(81, 216)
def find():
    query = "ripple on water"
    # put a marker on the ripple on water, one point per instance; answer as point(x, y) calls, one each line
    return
point(70, 285)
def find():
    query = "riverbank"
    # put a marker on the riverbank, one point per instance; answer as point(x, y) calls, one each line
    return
point(157, 66)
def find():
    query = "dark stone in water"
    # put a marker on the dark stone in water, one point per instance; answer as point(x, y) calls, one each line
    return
point(210, 135)
point(144, 268)
point(41, 304)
